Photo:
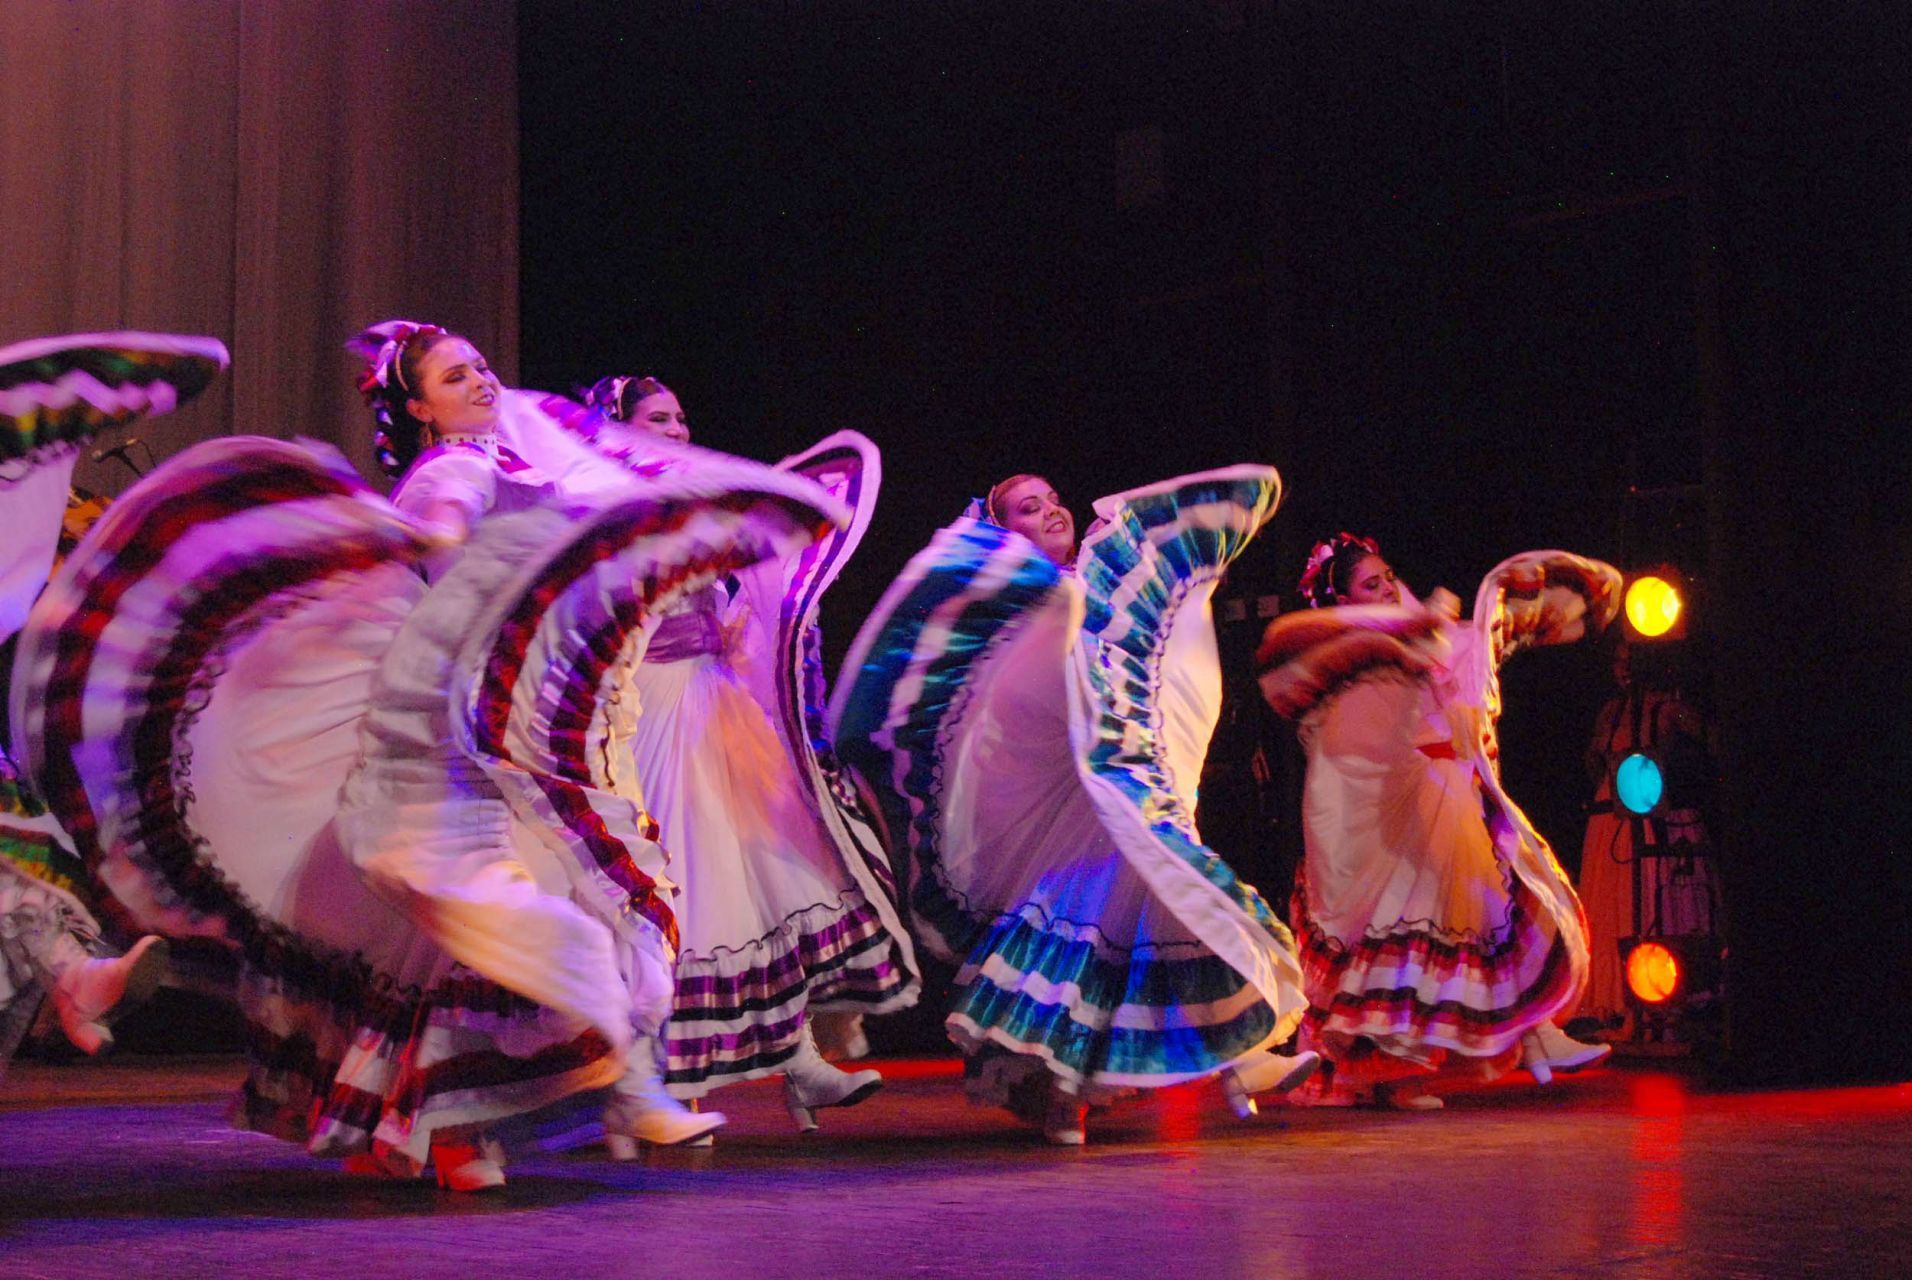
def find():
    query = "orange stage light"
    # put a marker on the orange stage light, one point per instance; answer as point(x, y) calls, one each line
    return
point(1653, 973)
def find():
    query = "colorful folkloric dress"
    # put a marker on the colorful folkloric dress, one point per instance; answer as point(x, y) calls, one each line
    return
point(56, 394)
point(1437, 929)
point(47, 908)
point(401, 801)
point(787, 902)
point(45, 924)
point(1035, 736)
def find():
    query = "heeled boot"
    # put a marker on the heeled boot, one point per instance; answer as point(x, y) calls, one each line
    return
point(810, 1084)
point(1263, 1073)
point(384, 1165)
point(1547, 1049)
point(641, 1110)
point(1067, 1122)
point(1406, 1096)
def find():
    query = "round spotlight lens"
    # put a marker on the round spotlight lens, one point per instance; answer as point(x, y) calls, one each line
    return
point(1653, 973)
point(1653, 606)
point(1639, 784)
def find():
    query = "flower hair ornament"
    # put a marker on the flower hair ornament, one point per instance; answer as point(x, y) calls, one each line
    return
point(1317, 581)
point(382, 347)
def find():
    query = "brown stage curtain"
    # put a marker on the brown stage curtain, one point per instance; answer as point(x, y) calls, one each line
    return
point(277, 173)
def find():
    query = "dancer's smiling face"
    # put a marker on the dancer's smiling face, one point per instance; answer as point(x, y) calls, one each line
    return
point(454, 390)
point(1030, 506)
point(1372, 582)
point(661, 415)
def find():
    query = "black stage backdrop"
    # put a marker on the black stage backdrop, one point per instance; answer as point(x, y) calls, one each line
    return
point(1477, 277)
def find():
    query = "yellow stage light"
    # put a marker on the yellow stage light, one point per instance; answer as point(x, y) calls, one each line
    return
point(1653, 606)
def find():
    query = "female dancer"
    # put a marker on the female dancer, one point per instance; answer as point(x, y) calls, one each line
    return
point(1033, 718)
point(785, 909)
point(1438, 933)
point(55, 395)
point(461, 915)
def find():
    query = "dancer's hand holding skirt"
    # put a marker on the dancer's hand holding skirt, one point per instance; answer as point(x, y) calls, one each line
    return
point(1035, 737)
point(397, 802)
point(1437, 928)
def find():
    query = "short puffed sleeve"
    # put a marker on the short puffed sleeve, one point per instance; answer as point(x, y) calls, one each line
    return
point(463, 475)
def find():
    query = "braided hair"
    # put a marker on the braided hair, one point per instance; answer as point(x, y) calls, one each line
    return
point(393, 352)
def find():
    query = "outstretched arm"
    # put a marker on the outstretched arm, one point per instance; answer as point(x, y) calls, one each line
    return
point(1293, 634)
point(1307, 655)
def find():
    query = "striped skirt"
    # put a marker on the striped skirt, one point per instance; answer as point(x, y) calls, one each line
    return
point(1035, 738)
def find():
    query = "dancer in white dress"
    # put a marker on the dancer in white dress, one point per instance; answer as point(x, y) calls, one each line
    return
point(1438, 934)
point(1033, 719)
point(786, 906)
point(460, 913)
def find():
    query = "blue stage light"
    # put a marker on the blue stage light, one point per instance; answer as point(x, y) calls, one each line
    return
point(1639, 783)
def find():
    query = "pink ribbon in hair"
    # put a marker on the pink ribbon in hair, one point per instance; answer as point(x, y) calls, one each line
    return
point(380, 347)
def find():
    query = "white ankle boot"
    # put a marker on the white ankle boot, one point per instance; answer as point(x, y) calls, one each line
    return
point(810, 1084)
point(640, 1108)
point(1547, 1049)
point(87, 992)
point(1264, 1073)
point(469, 1166)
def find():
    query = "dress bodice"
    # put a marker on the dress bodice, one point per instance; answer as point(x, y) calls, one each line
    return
point(481, 477)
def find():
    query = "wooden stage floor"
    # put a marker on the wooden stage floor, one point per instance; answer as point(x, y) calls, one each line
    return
point(126, 1170)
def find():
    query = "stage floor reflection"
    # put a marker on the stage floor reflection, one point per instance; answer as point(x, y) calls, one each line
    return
point(124, 1169)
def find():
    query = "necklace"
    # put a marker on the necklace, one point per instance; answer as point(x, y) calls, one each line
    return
point(487, 440)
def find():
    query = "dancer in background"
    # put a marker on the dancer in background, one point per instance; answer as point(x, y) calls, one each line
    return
point(1033, 718)
point(50, 942)
point(785, 901)
point(56, 395)
point(1438, 934)
point(460, 914)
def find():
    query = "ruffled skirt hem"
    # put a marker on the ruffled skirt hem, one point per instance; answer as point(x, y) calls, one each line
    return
point(1103, 1019)
point(459, 1059)
point(739, 1013)
point(1403, 1003)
